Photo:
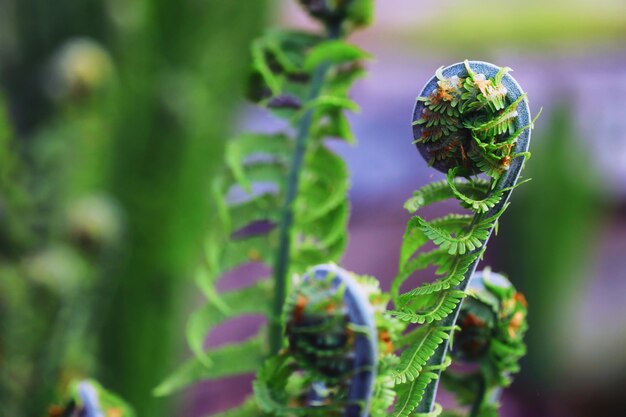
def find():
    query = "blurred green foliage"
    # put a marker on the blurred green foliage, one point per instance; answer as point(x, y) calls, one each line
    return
point(488, 24)
point(120, 110)
point(550, 227)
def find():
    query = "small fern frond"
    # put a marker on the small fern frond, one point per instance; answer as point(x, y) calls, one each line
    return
point(335, 52)
point(430, 307)
point(414, 236)
point(475, 204)
point(454, 276)
point(415, 357)
point(243, 301)
point(411, 393)
point(456, 244)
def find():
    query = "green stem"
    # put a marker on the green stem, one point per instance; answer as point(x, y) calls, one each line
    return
point(480, 397)
point(281, 265)
point(507, 181)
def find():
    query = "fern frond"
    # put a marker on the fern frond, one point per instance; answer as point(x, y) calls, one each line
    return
point(415, 357)
point(482, 205)
point(500, 125)
point(430, 307)
point(323, 186)
point(238, 302)
point(429, 194)
point(411, 393)
point(453, 277)
point(264, 207)
point(325, 230)
point(414, 236)
point(440, 191)
point(455, 244)
point(242, 251)
point(335, 52)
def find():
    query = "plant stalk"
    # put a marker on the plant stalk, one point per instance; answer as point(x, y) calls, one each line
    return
point(283, 256)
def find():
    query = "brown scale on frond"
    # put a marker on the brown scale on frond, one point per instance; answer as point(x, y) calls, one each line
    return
point(55, 411)
point(520, 298)
point(385, 338)
point(516, 324)
point(301, 303)
point(505, 162)
point(472, 320)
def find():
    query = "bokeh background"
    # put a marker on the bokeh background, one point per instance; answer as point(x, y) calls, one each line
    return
point(118, 110)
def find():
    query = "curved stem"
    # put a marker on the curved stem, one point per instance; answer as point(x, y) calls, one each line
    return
point(507, 181)
point(281, 265)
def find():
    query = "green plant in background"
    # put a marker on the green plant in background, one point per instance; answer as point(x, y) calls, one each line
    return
point(119, 110)
point(87, 398)
point(554, 239)
point(282, 197)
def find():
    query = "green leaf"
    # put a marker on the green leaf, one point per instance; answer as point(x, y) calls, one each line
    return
point(323, 186)
point(414, 236)
point(462, 242)
point(279, 147)
point(427, 308)
point(476, 204)
point(333, 123)
point(260, 64)
point(333, 52)
point(262, 207)
point(253, 299)
point(330, 103)
point(257, 172)
point(360, 12)
point(440, 191)
point(411, 393)
point(227, 360)
point(324, 230)
point(415, 357)
point(453, 277)
point(251, 249)
point(437, 410)
point(339, 82)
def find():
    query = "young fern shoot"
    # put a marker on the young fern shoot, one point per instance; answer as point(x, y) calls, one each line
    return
point(472, 118)
point(492, 323)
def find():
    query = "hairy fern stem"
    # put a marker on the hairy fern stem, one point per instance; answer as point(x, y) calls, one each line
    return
point(281, 265)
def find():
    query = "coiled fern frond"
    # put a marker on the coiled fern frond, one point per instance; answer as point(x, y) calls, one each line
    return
point(339, 357)
point(492, 325)
point(471, 119)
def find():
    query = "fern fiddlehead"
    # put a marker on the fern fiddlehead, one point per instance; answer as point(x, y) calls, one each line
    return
point(471, 118)
point(492, 323)
point(337, 362)
point(87, 398)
